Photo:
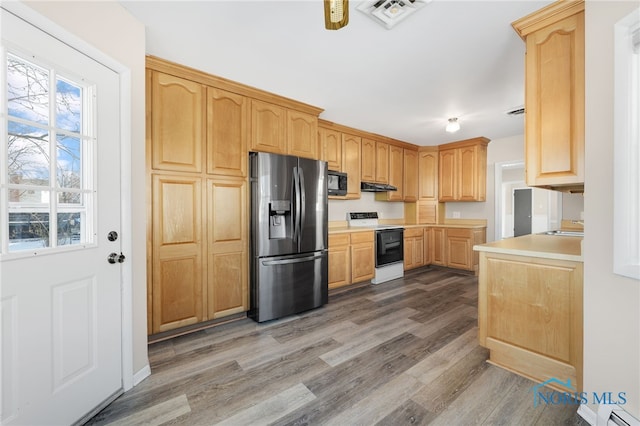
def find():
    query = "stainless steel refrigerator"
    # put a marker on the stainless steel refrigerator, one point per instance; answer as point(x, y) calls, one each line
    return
point(289, 268)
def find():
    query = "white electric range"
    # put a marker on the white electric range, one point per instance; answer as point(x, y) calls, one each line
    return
point(389, 245)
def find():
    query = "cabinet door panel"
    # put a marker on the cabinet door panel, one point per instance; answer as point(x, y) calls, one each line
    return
point(227, 132)
point(362, 262)
point(396, 173)
point(468, 174)
point(368, 160)
point(268, 127)
point(302, 134)
point(447, 190)
point(177, 285)
point(177, 123)
point(351, 164)
point(428, 175)
point(555, 104)
point(227, 281)
point(438, 249)
point(459, 252)
point(339, 266)
point(382, 162)
point(331, 144)
point(410, 175)
point(227, 290)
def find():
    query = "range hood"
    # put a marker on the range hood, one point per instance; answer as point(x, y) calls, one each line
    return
point(376, 187)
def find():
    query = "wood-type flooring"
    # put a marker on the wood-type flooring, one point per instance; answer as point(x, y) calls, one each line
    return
point(403, 352)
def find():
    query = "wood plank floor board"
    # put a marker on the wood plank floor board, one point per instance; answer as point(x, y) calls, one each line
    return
point(403, 352)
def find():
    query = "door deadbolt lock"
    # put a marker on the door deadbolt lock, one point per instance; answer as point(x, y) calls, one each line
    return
point(115, 258)
point(112, 236)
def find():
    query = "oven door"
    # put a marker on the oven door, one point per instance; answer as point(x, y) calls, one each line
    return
point(389, 246)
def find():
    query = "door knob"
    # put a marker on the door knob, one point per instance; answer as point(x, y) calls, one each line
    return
point(115, 258)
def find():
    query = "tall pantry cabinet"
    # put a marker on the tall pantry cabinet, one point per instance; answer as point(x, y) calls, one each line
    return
point(197, 142)
point(200, 129)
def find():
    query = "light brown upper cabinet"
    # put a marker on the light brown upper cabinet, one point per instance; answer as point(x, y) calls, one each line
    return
point(410, 175)
point(177, 123)
point(554, 101)
point(351, 164)
point(268, 127)
point(331, 148)
point(382, 162)
point(368, 160)
point(227, 132)
point(463, 170)
point(302, 134)
point(396, 172)
point(428, 174)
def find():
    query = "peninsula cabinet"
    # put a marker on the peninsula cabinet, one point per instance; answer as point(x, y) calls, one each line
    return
point(330, 142)
point(554, 95)
point(530, 316)
point(463, 170)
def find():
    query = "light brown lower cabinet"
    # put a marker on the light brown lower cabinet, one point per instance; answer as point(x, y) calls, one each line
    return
point(198, 267)
point(362, 256)
point(413, 248)
point(339, 260)
point(351, 258)
point(530, 316)
point(453, 247)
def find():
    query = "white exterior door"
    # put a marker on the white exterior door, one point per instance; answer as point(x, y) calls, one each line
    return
point(60, 298)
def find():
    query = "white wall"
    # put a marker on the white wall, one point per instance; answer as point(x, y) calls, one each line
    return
point(498, 151)
point(611, 302)
point(338, 209)
point(108, 27)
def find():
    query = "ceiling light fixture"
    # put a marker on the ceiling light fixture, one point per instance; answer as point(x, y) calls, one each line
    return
point(453, 125)
point(336, 14)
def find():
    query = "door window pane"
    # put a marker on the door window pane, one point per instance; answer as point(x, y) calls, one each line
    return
point(28, 152)
point(48, 191)
point(68, 162)
point(28, 90)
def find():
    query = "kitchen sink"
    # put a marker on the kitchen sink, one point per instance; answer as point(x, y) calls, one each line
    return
point(564, 233)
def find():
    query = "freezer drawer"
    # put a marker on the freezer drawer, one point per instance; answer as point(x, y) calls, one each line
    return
point(286, 285)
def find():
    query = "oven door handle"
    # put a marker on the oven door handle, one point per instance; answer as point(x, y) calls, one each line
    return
point(392, 245)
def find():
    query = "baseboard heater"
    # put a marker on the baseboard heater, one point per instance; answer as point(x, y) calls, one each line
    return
point(608, 415)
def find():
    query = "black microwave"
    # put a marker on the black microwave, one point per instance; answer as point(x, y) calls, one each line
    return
point(336, 183)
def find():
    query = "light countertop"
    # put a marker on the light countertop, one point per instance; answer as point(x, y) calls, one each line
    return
point(544, 246)
point(343, 229)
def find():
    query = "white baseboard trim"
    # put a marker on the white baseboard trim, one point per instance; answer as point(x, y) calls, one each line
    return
point(587, 414)
point(142, 374)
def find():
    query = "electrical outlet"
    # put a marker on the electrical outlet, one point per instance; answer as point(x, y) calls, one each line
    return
point(456, 215)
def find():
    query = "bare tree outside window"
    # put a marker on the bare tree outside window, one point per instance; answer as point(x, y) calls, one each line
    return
point(45, 148)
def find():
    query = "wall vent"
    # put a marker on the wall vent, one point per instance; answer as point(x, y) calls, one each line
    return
point(516, 111)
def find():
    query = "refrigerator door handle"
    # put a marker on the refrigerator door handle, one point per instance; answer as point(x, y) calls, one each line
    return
point(303, 200)
point(292, 260)
point(296, 194)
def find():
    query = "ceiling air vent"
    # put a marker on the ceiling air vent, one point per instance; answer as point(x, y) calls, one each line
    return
point(516, 111)
point(389, 12)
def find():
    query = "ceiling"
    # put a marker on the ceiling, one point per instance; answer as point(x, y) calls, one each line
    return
point(449, 59)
